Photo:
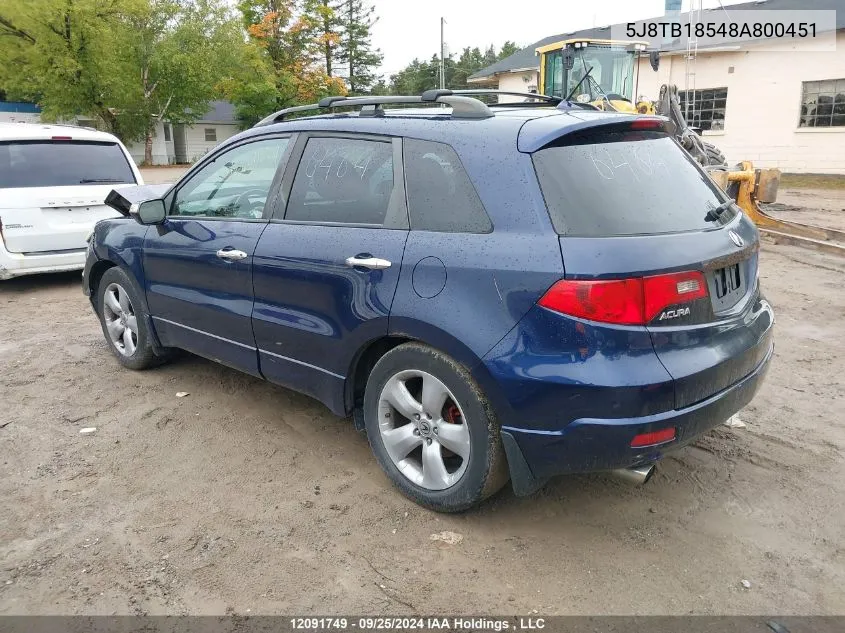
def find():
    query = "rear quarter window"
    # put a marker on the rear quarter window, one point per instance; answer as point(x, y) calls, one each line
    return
point(625, 183)
point(440, 194)
point(62, 163)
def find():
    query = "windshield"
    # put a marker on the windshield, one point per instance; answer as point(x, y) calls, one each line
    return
point(611, 72)
point(62, 163)
point(626, 183)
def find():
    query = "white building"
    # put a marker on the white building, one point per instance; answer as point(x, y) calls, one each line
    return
point(754, 100)
point(182, 143)
point(172, 143)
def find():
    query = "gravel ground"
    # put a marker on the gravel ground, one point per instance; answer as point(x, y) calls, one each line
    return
point(244, 497)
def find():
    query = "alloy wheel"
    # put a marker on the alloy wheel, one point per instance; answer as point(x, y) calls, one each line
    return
point(423, 429)
point(119, 317)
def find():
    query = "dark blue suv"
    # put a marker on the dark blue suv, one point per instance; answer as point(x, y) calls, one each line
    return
point(519, 290)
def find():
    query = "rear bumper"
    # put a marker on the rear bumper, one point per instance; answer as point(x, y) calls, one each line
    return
point(17, 264)
point(595, 444)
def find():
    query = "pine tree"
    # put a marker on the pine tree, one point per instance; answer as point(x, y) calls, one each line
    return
point(355, 50)
point(508, 49)
point(327, 27)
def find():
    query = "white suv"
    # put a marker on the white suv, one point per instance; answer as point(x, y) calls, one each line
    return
point(53, 180)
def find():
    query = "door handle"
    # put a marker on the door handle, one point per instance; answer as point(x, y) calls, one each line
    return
point(373, 263)
point(231, 254)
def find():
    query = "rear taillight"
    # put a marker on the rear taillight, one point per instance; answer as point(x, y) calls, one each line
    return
point(616, 301)
point(634, 301)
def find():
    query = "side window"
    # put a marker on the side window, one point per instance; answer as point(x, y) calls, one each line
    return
point(342, 180)
point(233, 185)
point(440, 194)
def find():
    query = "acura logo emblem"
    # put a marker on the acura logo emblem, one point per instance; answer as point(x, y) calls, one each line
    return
point(735, 238)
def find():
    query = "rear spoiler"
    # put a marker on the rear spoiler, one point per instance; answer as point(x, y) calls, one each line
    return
point(121, 200)
point(539, 132)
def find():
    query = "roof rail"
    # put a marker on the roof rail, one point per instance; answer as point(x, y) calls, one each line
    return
point(464, 107)
point(491, 91)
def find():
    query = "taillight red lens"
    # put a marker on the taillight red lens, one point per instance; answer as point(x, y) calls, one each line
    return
point(654, 437)
point(634, 301)
point(616, 301)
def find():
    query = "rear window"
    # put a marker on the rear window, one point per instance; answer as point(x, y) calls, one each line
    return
point(62, 163)
point(625, 183)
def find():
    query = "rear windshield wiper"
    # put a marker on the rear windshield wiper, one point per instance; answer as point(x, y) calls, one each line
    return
point(88, 181)
point(714, 214)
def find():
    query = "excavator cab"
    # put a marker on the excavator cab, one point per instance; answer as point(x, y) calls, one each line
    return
point(599, 72)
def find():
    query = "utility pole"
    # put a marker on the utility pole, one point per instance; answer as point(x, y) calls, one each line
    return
point(442, 55)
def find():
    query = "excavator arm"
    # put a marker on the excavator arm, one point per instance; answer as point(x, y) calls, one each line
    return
point(669, 105)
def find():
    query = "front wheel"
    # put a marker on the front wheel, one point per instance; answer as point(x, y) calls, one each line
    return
point(432, 430)
point(124, 321)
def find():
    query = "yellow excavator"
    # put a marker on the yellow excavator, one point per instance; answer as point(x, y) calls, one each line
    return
point(605, 74)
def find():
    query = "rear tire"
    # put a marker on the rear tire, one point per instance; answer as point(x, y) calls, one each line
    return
point(432, 430)
point(124, 321)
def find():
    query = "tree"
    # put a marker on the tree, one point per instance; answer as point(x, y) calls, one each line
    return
point(469, 61)
point(490, 56)
point(289, 33)
point(181, 51)
point(253, 91)
point(508, 49)
point(420, 76)
point(355, 50)
point(328, 29)
point(130, 63)
point(61, 54)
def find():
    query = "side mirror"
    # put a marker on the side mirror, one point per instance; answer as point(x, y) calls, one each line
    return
point(149, 212)
point(654, 60)
point(568, 58)
point(128, 200)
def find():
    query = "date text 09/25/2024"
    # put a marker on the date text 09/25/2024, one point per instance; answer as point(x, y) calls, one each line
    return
point(417, 624)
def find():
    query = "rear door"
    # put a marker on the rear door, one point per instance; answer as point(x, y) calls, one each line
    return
point(631, 203)
point(198, 264)
point(327, 266)
point(52, 192)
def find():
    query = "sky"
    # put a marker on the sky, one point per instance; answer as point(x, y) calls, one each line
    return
point(411, 28)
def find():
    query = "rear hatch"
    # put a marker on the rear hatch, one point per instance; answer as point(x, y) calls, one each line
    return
point(52, 192)
point(630, 204)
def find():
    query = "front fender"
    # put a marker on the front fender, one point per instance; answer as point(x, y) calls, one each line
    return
point(121, 242)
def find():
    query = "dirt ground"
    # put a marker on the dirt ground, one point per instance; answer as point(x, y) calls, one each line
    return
point(244, 497)
point(822, 207)
point(164, 174)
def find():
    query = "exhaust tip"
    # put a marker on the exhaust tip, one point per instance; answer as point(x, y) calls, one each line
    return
point(637, 476)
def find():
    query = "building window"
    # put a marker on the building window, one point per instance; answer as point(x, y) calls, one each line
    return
point(167, 136)
point(823, 103)
point(704, 109)
point(211, 134)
